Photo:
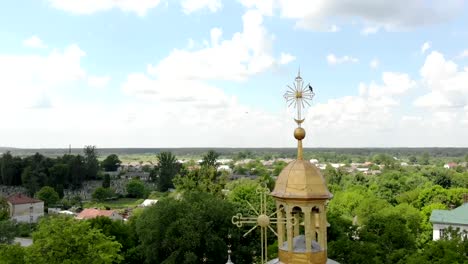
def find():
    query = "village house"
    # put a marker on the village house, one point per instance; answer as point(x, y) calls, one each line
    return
point(443, 219)
point(90, 213)
point(450, 165)
point(148, 202)
point(25, 209)
point(224, 168)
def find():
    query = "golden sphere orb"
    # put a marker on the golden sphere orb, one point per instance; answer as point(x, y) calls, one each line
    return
point(299, 133)
point(263, 220)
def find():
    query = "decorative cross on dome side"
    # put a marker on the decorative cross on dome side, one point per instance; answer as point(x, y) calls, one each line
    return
point(260, 219)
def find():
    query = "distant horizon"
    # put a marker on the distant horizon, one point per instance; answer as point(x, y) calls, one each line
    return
point(106, 148)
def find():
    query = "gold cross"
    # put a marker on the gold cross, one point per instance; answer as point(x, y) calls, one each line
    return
point(261, 219)
point(299, 96)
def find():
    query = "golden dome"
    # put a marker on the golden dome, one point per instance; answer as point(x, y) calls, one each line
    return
point(301, 180)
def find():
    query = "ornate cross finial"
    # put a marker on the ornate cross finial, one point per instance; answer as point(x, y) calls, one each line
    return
point(261, 219)
point(299, 97)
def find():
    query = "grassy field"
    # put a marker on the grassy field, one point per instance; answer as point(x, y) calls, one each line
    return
point(114, 204)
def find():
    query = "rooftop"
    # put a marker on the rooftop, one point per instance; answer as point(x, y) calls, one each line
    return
point(19, 198)
point(458, 215)
point(89, 213)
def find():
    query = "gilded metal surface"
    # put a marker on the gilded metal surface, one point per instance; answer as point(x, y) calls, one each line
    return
point(302, 257)
point(301, 180)
point(261, 219)
point(299, 133)
point(302, 192)
point(299, 96)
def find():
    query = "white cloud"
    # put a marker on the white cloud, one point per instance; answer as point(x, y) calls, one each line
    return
point(98, 81)
point(192, 105)
point(368, 119)
point(190, 6)
point(266, 7)
point(334, 28)
point(426, 46)
point(247, 53)
point(28, 79)
point(86, 7)
point(286, 58)
point(464, 54)
point(332, 59)
point(374, 64)
point(191, 44)
point(447, 85)
point(34, 42)
point(389, 15)
point(370, 30)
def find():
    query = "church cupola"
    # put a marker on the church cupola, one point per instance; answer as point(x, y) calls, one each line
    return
point(301, 195)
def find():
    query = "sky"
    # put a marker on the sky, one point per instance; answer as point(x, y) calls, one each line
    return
point(212, 73)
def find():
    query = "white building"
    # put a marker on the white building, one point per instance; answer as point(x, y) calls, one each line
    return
point(24, 208)
point(225, 168)
point(148, 202)
point(442, 219)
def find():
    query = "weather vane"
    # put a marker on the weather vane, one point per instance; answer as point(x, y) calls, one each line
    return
point(299, 96)
point(261, 219)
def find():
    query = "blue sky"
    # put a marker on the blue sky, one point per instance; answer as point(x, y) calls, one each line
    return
point(211, 73)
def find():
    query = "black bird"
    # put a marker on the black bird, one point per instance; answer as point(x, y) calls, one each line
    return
point(310, 88)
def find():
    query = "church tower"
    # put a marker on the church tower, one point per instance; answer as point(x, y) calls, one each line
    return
point(301, 195)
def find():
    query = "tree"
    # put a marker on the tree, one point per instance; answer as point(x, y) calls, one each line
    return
point(11, 254)
point(210, 159)
point(123, 233)
point(243, 192)
point(62, 239)
point(183, 231)
point(111, 162)
point(445, 250)
point(204, 179)
point(278, 166)
point(424, 160)
point(91, 162)
point(165, 171)
point(101, 194)
point(48, 195)
point(136, 189)
point(58, 175)
point(106, 181)
point(7, 232)
point(30, 178)
point(443, 179)
point(77, 170)
point(4, 209)
point(10, 169)
point(332, 175)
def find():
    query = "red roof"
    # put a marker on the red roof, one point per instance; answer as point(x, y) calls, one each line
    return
point(92, 213)
point(19, 198)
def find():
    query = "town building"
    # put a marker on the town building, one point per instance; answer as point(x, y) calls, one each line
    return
point(148, 202)
point(90, 213)
point(25, 209)
point(443, 219)
point(450, 165)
